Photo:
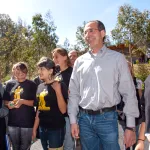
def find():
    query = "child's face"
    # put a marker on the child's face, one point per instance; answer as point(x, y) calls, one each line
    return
point(19, 74)
point(44, 73)
point(59, 59)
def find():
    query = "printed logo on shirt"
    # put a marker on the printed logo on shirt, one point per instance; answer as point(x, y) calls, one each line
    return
point(17, 92)
point(42, 103)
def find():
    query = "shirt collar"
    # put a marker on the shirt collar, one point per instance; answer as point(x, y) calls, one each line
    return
point(101, 52)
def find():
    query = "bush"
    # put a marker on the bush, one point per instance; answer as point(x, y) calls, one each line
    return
point(6, 78)
point(141, 71)
point(137, 61)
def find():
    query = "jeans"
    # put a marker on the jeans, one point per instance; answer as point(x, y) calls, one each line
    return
point(51, 138)
point(69, 141)
point(20, 137)
point(99, 132)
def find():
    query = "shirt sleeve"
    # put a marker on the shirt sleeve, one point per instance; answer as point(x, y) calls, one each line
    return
point(147, 134)
point(147, 104)
point(74, 94)
point(127, 90)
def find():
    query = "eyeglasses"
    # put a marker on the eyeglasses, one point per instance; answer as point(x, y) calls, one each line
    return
point(90, 31)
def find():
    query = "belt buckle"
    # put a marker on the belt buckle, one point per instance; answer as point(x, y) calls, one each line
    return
point(101, 111)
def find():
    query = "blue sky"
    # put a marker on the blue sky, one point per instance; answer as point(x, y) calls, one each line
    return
point(69, 14)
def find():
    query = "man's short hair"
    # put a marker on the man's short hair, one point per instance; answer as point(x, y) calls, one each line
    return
point(100, 25)
point(74, 51)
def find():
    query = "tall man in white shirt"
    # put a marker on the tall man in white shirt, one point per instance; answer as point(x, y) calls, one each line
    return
point(98, 79)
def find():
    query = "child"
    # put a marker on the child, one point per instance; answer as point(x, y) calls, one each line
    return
point(52, 96)
point(60, 57)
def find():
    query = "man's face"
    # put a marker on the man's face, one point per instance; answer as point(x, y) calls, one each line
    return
point(93, 36)
point(73, 56)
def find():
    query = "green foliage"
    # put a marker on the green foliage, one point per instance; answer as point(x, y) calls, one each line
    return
point(133, 27)
point(141, 71)
point(6, 78)
point(137, 61)
point(107, 41)
point(66, 44)
point(44, 37)
point(19, 42)
point(82, 45)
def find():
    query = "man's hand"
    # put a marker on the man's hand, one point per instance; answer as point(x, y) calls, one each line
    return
point(129, 138)
point(75, 130)
point(140, 145)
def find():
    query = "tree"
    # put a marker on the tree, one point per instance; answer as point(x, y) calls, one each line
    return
point(81, 44)
point(132, 28)
point(7, 42)
point(74, 47)
point(107, 41)
point(44, 37)
point(66, 44)
point(20, 42)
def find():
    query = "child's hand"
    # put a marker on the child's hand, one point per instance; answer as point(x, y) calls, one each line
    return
point(56, 86)
point(18, 103)
point(11, 105)
point(34, 136)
